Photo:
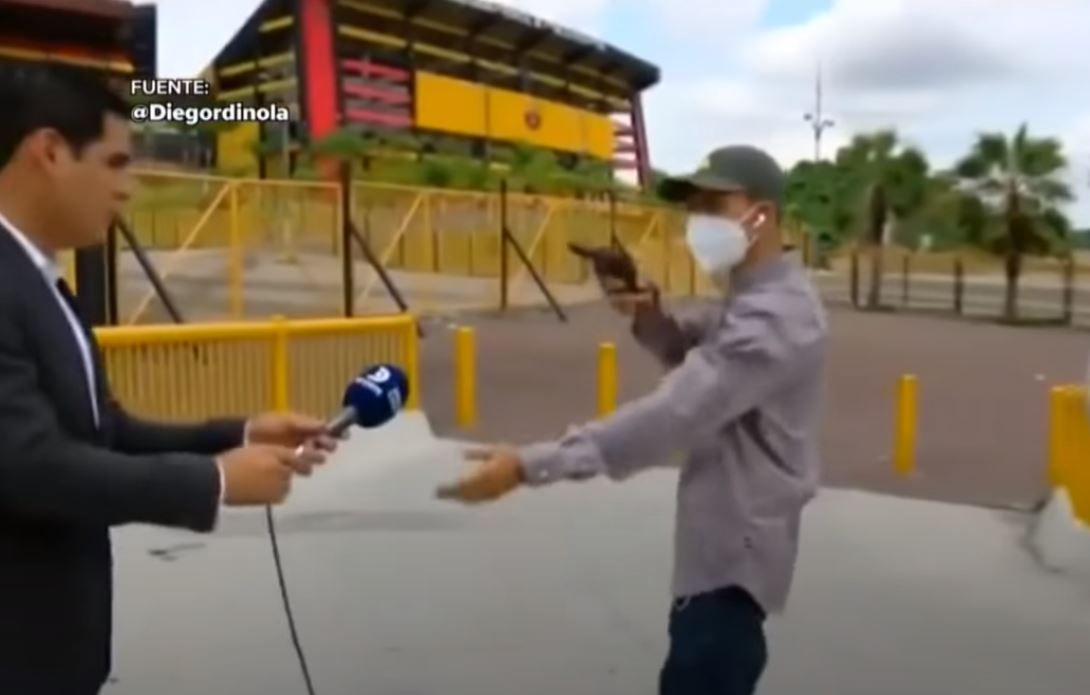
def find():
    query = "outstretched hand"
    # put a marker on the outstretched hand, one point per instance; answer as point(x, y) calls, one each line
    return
point(496, 471)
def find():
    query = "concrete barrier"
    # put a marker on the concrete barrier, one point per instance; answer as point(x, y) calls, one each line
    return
point(1060, 540)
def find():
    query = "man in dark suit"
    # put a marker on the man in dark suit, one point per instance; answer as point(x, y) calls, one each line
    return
point(73, 463)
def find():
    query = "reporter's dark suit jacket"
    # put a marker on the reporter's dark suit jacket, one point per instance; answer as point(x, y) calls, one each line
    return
point(64, 482)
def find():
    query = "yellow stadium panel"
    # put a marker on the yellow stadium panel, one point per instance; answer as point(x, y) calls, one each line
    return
point(600, 136)
point(466, 108)
point(523, 118)
point(449, 105)
point(520, 117)
point(276, 24)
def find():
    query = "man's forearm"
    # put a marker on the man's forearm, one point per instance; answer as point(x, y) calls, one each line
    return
point(572, 458)
point(134, 435)
point(75, 482)
point(664, 335)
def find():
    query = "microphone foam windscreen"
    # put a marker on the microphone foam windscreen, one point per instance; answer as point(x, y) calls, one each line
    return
point(377, 394)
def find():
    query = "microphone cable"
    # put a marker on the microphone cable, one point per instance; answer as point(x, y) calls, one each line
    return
point(270, 524)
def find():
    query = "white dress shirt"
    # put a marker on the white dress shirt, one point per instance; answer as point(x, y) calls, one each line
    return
point(51, 274)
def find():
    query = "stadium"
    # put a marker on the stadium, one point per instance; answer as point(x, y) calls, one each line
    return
point(447, 77)
point(471, 78)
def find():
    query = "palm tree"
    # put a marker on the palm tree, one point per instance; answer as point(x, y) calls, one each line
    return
point(1019, 179)
point(818, 198)
point(890, 183)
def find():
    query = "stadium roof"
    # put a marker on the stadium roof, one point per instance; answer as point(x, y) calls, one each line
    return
point(116, 9)
point(114, 35)
point(486, 19)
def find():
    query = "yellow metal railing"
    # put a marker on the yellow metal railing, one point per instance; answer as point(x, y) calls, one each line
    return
point(1069, 446)
point(231, 248)
point(196, 371)
point(456, 233)
point(203, 233)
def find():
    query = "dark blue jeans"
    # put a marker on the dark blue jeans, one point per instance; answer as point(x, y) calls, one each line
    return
point(717, 645)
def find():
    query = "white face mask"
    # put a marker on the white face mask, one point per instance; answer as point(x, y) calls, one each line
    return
point(717, 243)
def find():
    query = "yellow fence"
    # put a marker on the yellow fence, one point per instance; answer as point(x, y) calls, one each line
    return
point(232, 248)
point(196, 371)
point(252, 248)
point(437, 235)
point(1069, 446)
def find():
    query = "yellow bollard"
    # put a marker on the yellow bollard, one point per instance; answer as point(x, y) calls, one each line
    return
point(1057, 434)
point(465, 378)
point(607, 378)
point(1075, 447)
point(904, 442)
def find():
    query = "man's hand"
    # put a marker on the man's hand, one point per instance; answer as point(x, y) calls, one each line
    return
point(628, 303)
point(261, 474)
point(290, 430)
point(496, 472)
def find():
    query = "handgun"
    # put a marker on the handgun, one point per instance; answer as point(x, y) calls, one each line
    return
point(612, 263)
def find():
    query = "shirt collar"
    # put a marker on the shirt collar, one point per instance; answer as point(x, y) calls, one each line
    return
point(46, 264)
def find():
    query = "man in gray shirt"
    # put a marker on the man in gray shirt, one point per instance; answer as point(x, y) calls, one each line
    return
point(741, 401)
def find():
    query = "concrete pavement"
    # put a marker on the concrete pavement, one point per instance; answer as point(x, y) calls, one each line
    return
point(564, 591)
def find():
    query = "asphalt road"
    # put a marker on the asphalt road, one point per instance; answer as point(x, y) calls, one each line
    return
point(564, 591)
point(983, 392)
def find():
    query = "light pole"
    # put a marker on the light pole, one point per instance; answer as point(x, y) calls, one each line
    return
point(817, 119)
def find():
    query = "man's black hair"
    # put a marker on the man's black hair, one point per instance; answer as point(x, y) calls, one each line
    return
point(73, 101)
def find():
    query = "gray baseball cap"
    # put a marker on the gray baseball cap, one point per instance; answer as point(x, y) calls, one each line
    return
point(735, 168)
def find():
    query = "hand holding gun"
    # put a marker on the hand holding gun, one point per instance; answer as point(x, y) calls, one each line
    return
point(617, 274)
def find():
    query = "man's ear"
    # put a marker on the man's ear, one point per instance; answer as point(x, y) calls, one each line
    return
point(47, 148)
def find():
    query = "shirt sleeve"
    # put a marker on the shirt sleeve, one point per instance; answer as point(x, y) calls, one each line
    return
point(668, 336)
point(752, 355)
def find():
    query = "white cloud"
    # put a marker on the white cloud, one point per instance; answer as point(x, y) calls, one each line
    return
point(938, 71)
point(583, 15)
point(187, 40)
point(703, 19)
point(1077, 142)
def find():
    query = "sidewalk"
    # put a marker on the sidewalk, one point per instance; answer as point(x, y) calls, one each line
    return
point(564, 591)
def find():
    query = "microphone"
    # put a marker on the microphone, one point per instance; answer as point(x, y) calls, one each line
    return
point(371, 399)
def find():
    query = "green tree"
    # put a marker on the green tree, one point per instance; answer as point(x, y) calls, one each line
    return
point(948, 218)
point(1018, 178)
point(346, 145)
point(886, 181)
point(818, 197)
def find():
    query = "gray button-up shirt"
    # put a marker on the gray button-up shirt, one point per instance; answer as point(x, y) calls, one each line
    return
point(741, 407)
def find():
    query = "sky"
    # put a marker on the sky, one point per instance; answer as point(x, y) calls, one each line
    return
point(742, 71)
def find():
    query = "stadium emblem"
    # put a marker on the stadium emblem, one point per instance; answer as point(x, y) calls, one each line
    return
point(533, 118)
